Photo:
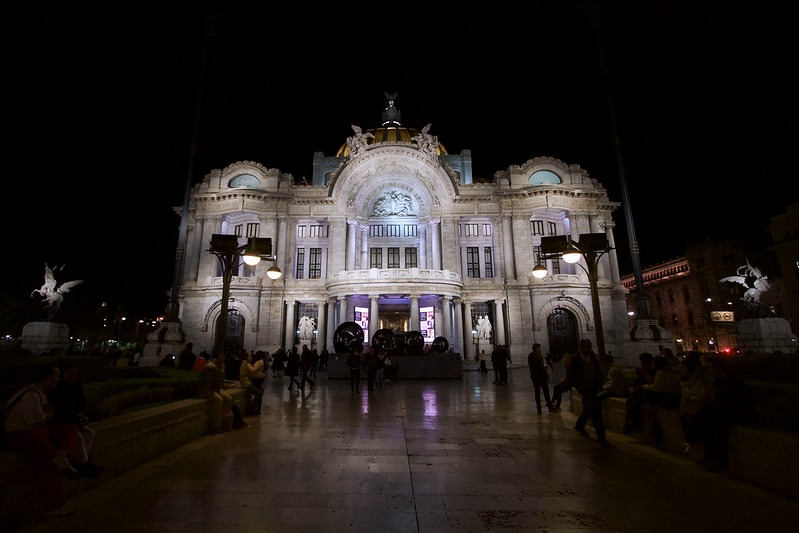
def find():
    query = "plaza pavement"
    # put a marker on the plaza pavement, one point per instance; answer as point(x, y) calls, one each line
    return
point(427, 456)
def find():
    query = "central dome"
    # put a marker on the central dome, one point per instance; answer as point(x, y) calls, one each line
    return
point(391, 132)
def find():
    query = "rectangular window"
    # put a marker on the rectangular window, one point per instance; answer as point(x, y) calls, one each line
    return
point(489, 261)
point(486, 230)
point(375, 230)
point(393, 256)
point(470, 230)
point(302, 231)
point(538, 227)
point(473, 262)
point(411, 258)
point(316, 229)
point(375, 258)
point(300, 271)
point(410, 230)
point(315, 263)
point(252, 229)
point(556, 266)
point(552, 228)
point(238, 230)
point(393, 230)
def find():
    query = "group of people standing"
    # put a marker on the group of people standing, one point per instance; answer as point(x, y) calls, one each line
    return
point(375, 362)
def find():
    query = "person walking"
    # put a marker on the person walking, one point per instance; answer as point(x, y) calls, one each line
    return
point(565, 384)
point(501, 358)
point(306, 363)
point(370, 363)
point(354, 364)
point(586, 376)
point(293, 369)
point(539, 377)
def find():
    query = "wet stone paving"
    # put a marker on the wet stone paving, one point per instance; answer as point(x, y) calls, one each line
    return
point(416, 455)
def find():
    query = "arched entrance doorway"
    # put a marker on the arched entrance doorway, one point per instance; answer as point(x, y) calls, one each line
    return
point(234, 339)
point(562, 331)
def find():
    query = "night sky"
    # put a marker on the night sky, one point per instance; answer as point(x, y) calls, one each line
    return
point(101, 103)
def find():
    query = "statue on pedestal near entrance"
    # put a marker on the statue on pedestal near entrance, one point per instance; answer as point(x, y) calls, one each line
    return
point(307, 325)
point(53, 294)
point(483, 327)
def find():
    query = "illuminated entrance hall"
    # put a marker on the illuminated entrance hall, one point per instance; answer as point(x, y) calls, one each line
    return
point(428, 456)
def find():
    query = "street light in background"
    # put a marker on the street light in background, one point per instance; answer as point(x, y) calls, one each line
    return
point(590, 247)
point(228, 250)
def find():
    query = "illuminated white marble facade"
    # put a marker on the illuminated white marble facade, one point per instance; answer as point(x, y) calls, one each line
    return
point(394, 226)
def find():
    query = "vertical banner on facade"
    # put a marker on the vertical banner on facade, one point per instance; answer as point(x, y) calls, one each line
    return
point(362, 319)
point(427, 321)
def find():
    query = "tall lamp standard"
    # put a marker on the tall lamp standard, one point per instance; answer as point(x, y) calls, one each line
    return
point(228, 250)
point(590, 247)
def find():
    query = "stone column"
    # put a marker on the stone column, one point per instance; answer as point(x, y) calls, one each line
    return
point(374, 316)
point(321, 325)
point(331, 323)
point(364, 264)
point(280, 247)
point(468, 339)
point(352, 227)
point(291, 325)
point(344, 312)
point(423, 246)
point(457, 337)
point(507, 249)
point(413, 323)
point(446, 317)
point(209, 264)
point(435, 244)
point(499, 322)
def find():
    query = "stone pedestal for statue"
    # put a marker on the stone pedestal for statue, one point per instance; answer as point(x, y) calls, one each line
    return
point(485, 344)
point(41, 337)
point(169, 338)
point(646, 336)
point(766, 335)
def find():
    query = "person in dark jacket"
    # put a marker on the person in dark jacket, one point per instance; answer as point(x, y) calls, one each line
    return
point(586, 376)
point(539, 377)
point(354, 365)
point(293, 369)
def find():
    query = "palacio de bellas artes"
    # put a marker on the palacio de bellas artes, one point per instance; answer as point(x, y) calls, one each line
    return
point(394, 232)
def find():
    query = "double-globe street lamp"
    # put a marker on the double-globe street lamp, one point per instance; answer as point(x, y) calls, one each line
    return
point(228, 250)
point(591, 247)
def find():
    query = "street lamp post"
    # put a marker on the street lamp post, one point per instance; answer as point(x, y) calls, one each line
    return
point(590, 247)
point(228, 250)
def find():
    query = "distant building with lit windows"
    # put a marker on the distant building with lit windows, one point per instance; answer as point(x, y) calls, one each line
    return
point(686, 297)
point(394, 232)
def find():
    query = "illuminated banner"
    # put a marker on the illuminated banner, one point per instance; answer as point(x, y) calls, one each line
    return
point(362, 319)
point(427, 319)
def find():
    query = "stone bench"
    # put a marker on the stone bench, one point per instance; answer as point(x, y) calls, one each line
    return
point(761, 456)
point(122, 442)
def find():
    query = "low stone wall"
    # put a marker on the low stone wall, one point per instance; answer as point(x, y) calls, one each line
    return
point(761, 456)
point(122, 442)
